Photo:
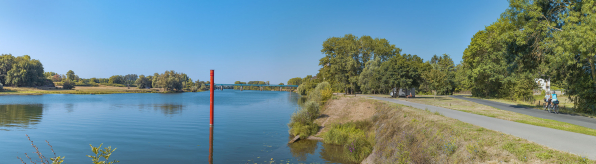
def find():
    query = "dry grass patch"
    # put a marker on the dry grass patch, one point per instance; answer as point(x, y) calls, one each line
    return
point(409, 135)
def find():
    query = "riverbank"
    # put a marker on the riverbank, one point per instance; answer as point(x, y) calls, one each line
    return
point(408, 135)
point(76, 90)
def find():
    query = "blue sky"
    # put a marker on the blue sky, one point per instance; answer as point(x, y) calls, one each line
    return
point(242, 40)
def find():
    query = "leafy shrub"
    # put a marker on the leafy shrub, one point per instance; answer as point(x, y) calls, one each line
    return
point(105, 153)
point(68, 85)
point(302, 122)
point(317, 94)
point(352, 135)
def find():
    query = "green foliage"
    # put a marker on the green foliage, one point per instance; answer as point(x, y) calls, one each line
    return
point(302, 122)
point(441, 75)
point(143, 82)
point(345, 57)
point(24, 71)
point(352, 135)
point(403, 71)
point(308, 84)
point(102, 153)
point(68, 85)
point(370, 78)
point(295, 81)
point(116, 79)
point(130, 78)
point(171, 80)
point(317, 94)
point(70, 75)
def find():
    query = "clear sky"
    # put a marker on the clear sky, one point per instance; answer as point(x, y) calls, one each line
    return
point(242, 40)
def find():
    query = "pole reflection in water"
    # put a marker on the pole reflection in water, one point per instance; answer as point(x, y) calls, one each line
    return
point(211, 145)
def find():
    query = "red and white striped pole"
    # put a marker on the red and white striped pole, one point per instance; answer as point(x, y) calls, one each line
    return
point(212, 96)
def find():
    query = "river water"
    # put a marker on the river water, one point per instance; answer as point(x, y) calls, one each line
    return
point(250, 127)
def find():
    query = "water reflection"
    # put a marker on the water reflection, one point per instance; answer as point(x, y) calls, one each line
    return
point(302, 148)
point(331, 153)
point(20, 115)
point(169, 109)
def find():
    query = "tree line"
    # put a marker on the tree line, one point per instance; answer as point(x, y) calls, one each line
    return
point(363, 64)
point(22, 71)
point(548, 39)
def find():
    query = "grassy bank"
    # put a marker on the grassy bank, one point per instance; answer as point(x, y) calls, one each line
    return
point(475, 108)
point(409, 135)
point(77, 90)
point(565, 104)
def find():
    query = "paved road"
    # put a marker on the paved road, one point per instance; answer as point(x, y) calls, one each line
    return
point(580, 144)
point(572, 119)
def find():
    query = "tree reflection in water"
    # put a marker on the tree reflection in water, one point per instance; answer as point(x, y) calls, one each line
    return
point(302, 148)
point(331, 153)
point(169, 109)
point(20, 115)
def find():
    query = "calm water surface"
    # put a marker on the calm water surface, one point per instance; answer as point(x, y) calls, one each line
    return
point(250, 127)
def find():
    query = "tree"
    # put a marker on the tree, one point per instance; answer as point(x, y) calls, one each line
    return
point(70, 75)
point(68, 84)
point(402, 71)
point(154, 80)
point(143, 82)
point(25, 72)
point(441, 75)
point(170, 80)
point(56, 78)
point(116, 79)
point(130, 78)
point(370, 78)
point(295, 81)
point(345, 58)
point(6, 61)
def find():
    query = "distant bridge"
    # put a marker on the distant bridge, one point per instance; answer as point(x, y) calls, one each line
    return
point(253, 85)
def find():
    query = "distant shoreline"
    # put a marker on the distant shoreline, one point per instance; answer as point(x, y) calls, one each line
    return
point(79, 90)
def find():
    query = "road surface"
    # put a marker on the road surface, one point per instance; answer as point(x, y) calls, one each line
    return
point(575, 143)
point(568, 118)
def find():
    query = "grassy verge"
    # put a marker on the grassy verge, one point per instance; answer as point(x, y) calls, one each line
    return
point(409, 135)
point(565, 105)
point(475, 108)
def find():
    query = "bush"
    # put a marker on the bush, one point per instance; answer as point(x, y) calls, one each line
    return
point(68, 85)
point(302, 122)
point(321, 93)
point(352, 135)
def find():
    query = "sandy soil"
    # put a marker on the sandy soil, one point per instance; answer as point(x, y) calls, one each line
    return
point(345, 109)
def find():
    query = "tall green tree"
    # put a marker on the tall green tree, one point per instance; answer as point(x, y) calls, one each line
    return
point(25, 72)
point(70, 75)
point(345, 58)
point(295, 81)
point(6, 62)
point(370, 78)
point(403, 71)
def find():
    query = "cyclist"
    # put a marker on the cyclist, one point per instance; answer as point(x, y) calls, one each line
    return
point(546, 99)
point(554, 100)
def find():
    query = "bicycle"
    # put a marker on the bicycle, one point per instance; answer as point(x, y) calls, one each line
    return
point(555, 106)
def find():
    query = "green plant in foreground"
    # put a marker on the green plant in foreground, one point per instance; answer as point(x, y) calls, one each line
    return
point(105, 153)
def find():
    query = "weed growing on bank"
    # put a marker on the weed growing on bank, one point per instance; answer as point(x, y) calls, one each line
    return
point(302, 122)
point(354, 137)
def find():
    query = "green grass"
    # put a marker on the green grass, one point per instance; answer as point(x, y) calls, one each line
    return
point(355, 137)
point(479, 109)
point(410, 135)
